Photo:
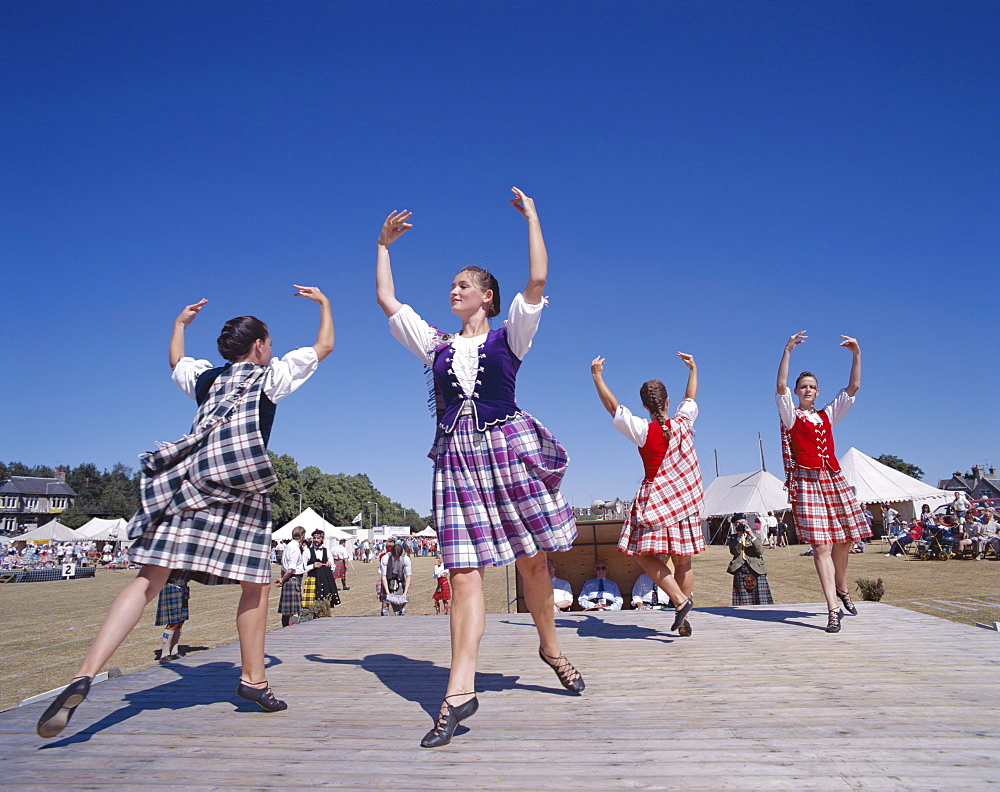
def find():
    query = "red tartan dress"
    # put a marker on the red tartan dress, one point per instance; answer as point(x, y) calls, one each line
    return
point(443, 591)
point(824, 506)
point(665, 518)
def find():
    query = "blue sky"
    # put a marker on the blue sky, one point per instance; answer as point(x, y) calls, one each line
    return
point(711, 177)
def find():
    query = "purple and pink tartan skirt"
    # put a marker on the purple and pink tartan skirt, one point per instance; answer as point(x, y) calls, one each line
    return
point(825, 508)
point(496, 493)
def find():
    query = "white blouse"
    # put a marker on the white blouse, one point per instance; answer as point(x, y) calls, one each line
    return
point(283, 376)
point(421, 339)
point(635, 428)
point(835, 410)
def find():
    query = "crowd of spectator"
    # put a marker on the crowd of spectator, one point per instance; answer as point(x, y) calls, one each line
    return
point(55, 554)
point(966, 529)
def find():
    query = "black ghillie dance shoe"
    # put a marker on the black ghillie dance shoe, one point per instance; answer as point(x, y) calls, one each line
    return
point(845, 597)
point(833, 621)
point(263, 696)
point(448, 721)
point(569, 677)
point(58, 713)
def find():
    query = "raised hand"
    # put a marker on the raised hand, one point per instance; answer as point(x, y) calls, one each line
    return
point(523, 204)
point(394, 227)
point(597, 367)
point(850, 343)
point(310, 293)
point(190, 312)
point(795, 340)
point(688, 359)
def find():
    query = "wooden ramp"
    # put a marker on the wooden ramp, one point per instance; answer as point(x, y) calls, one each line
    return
point(758, 698)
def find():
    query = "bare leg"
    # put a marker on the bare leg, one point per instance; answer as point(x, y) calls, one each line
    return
point(251, 623)
point(124, 613)
point(659, 573)
point(841, 553)
point(540, 601)
point(683, 575)
point(823, 560)
point(468, 621)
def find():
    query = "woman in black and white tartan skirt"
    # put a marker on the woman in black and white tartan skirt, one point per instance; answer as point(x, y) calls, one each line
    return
point(207, 516)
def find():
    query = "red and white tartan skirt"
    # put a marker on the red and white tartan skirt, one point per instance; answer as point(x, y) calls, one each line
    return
point(443, 591)
point(825, 508)
point(681, 538)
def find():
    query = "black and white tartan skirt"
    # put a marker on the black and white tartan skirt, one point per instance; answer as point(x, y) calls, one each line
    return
point(225, 543)
point(291, 596)
point(172, 606)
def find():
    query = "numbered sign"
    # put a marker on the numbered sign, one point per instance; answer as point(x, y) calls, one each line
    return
point(69, 570)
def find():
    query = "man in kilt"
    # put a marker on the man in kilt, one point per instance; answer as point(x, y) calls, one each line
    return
point(293, 567)
point(171, 613)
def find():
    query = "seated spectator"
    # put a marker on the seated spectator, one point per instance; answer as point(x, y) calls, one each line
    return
point(646, 595)
point(562, 594)
point(989, 534)
point(964, 538)
point(599, 593)
point(858, 547)
point(900, 543)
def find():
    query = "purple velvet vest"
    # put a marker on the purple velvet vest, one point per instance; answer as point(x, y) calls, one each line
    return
point(493, 400)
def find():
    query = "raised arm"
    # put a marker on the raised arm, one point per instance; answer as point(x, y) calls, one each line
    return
point(393, 228)
point(538, 258)
point(692, 387)
point(854, 385)
point(324, 338)
point(793, 341)
point(180, 323)
point(603, 391)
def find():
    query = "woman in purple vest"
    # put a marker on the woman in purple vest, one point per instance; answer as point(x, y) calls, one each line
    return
point(496, 469)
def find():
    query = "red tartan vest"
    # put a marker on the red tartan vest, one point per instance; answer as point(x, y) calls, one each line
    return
point(812, 444)
point(654, 450)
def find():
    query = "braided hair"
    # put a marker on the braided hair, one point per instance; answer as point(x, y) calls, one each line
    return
point(654, 399)
point(485, 280)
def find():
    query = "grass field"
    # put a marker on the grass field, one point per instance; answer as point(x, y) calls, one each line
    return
point(48, 626)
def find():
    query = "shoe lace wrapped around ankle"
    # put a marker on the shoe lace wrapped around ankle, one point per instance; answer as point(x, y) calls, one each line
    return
point(564, 669)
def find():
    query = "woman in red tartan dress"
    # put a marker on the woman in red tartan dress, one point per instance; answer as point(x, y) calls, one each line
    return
point(827, 514)
point(665, 518)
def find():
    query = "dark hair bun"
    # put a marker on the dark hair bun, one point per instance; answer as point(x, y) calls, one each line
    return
point(238, 336)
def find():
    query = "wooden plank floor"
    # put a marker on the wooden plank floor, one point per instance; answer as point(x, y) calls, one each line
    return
point(758, 698)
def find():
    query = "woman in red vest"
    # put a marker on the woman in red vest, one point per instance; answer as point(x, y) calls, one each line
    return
point(665, 518)
point(827, 514)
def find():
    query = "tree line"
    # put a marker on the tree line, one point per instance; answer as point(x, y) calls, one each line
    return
point(337, 497)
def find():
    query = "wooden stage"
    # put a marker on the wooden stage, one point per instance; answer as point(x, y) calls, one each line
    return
point(758, 698)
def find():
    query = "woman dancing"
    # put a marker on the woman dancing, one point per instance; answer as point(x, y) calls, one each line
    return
point(665, 518)
point(827, 514)
point(205, 509)
point(497, 470)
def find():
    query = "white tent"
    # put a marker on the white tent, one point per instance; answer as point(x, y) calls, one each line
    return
point(52, 531)
point(99, 530)
point(874, 482)
point(744, 493)
point(310, 520)
point(749, 493)
point(430, 533)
